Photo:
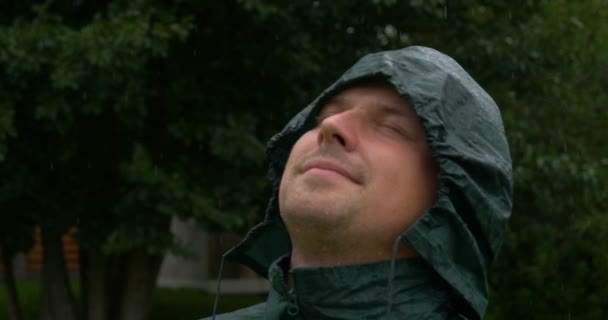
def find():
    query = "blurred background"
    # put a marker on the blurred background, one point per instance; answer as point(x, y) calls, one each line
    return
point(132, 141)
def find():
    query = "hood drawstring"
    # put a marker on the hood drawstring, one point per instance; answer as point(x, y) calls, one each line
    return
point(391, 274)
point(219, 283)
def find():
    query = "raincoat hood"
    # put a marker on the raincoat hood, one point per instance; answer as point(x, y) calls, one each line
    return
point(460, 236)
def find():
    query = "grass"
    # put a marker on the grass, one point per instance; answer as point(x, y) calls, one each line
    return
point(28, 293)
point(188, 304)
point(174, 304)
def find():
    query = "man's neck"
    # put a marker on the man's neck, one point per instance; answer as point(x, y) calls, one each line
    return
point(340, 254)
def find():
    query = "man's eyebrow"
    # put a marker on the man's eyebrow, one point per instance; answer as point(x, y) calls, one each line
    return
point(393, 109)
point(333, 105)
point(340, 103)
point(335, 102)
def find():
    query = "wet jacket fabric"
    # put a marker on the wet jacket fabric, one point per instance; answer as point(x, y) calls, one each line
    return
point(457, 240)
point(330, 293)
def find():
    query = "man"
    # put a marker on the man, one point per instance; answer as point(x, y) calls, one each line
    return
point(391, 194)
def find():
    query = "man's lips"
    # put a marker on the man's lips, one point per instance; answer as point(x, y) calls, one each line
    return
point(328, 166)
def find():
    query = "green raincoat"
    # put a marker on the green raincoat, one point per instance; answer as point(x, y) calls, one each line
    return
point(457, 239)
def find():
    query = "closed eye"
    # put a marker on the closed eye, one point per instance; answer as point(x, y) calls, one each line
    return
point(396, 129)
point(324, 115)
point(329, 110)
point(320, 118)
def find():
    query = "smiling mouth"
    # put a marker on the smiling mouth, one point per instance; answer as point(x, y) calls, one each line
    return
point(325, 172)
point(326, 168)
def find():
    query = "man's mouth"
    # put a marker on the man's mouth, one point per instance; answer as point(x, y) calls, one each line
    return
point(328, 167)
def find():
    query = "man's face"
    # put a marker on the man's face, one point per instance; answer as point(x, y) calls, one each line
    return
point(365, 169)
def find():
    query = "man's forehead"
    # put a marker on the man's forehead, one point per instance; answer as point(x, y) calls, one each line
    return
point(378, 95)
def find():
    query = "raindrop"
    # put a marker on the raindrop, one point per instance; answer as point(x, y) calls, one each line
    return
point(577, 22)
point(316, 4)
point(155, 171)
point(445, 12)
point(52, 165)
point(350, 30)
point(390, 31)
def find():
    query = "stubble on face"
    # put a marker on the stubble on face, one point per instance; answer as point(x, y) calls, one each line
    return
point(380, 178)
point(317, 202)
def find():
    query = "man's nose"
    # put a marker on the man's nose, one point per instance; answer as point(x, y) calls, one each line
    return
point(341, 128)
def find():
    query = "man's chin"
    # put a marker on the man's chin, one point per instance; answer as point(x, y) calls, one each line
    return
point(320, 209)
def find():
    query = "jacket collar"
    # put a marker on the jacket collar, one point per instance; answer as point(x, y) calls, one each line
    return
point(358, 292)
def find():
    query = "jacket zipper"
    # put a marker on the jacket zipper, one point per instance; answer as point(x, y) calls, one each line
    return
point(292, 307)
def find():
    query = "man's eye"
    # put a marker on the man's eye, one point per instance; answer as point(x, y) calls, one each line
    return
point(396, 129)
point(323, 116)
point(320, 118)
